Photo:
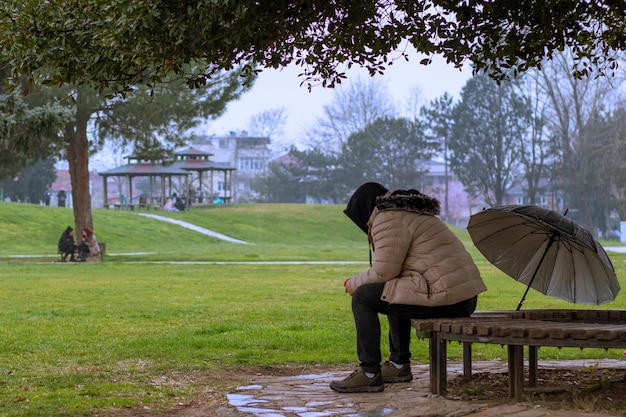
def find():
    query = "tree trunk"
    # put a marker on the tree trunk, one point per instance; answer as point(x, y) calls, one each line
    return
point(77, 148)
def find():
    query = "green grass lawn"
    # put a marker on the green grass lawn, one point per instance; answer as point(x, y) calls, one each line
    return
point(81, 338)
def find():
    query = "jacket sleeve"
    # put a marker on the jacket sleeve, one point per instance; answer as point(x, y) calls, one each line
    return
point(391, 241)
point(92, 243)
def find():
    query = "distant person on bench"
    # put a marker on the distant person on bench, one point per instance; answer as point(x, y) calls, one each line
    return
point(66, 245)
point(169, 205)
point(88, 244)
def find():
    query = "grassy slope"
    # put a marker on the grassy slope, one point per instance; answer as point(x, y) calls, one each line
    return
point(78, 338)
point(275, 232)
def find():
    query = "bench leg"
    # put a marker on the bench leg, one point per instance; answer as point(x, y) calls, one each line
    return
point(438, 365)
point(532, 366)
point(467, 359)
point(516, 372)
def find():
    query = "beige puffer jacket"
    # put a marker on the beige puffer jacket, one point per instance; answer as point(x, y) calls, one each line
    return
point(417, 256)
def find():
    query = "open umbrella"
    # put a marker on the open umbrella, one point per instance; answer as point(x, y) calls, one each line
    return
point(546, 251)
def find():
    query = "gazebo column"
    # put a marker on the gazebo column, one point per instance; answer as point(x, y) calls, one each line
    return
point(152, 180)
point(129, 201)
point(163, 199)
point(187, 196)
point(200, 174)
point(106, 193)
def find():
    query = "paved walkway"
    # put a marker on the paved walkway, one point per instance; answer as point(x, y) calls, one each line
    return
point(310, 396)
point(195, 228)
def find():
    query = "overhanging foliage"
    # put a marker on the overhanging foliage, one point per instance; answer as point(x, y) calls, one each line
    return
point(117, 43)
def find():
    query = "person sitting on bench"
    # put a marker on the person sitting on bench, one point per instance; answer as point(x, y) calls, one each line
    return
point(420, 270)
point(88, 245)
point(66, 244)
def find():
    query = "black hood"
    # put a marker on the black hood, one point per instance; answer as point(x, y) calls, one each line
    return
point(362, 203)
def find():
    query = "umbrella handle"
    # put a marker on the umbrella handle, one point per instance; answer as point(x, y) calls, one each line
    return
point(550, 242)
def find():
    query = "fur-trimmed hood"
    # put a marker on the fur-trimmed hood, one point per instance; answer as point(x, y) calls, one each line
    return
point(409, 201)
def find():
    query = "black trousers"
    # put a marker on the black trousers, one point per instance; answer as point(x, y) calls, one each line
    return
point(366, 305)
point(64, 254)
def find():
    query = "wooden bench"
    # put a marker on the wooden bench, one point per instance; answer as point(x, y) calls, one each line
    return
point(98, 257)
point(516, 329)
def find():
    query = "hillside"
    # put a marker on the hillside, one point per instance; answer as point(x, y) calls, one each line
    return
point(275, 232)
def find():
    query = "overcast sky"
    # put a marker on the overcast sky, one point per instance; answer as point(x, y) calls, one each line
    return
point(281, 88)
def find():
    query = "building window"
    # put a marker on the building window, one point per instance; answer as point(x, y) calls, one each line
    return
point(220, 186)
point(223, 143)
point(251, 164)
point(520, 200)
point(540, 200)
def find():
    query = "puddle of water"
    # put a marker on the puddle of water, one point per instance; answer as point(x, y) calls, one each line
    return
point(296, 409)
point(313, 376)
point(249, 387)
point(318, 403)
point(240, 400)
point(260, 412)
point(379, 412)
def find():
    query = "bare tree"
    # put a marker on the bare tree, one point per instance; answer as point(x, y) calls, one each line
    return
point(413, 103)
point(574, 107)
point(270, 122)
point(537, 148)
point(354, 106)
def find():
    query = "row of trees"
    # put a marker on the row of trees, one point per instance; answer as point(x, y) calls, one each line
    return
point(546, 129)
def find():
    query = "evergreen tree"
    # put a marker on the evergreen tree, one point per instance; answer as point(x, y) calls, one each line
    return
point(490, 124)
point(386, 151)
point(30, 184)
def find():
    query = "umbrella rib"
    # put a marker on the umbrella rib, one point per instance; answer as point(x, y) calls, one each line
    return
point(527, 224)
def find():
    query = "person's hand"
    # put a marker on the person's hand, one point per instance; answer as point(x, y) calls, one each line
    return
point(346, 286)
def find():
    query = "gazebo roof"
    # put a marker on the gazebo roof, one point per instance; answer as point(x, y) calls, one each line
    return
point(193, 152)
point(223, 166)
point(144, 169)
point(202, 165)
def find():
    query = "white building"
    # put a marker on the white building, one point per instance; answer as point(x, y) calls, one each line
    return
point(249, 155)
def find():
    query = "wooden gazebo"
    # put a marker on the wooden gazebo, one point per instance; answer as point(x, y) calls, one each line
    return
point(144, 169)
point(186, 162)
point(198, 161)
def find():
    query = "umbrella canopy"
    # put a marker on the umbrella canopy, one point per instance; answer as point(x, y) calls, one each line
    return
point(546, 251)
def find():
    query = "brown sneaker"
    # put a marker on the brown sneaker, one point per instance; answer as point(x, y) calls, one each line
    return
point(357, 381)
point(392, 374)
